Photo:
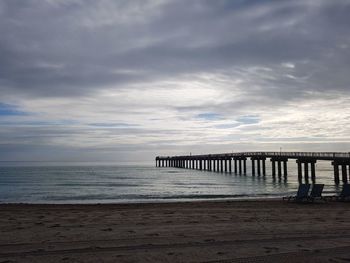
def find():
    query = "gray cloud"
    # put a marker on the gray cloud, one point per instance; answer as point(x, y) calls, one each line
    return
point(230, 58)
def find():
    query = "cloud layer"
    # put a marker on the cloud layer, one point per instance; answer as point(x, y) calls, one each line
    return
point(128, 80)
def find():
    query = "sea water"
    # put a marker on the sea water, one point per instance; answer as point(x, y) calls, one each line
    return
point(109, 183)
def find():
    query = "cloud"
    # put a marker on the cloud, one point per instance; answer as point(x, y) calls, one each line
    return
point(172, 75)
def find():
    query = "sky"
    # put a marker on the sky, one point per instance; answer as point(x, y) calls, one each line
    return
point(86, 80)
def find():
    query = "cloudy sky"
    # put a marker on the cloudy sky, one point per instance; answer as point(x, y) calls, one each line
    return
point(86, 80)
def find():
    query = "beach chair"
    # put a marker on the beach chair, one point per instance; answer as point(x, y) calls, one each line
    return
point(343, 196)
point(316, 193)
point(302, 194)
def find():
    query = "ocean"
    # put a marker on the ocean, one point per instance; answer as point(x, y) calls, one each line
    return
point(109, 183)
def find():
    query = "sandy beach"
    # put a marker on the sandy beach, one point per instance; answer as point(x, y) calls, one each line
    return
point(235, 231)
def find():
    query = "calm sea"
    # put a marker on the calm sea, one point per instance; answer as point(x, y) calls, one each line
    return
point(102, 183)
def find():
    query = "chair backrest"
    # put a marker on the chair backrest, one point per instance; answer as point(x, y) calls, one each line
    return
point(316, 190)
point(303, 190)
point(346, 191)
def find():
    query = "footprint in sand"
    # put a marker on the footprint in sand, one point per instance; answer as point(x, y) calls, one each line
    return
point(153, 234)
point(271, 249)
point(54, 225)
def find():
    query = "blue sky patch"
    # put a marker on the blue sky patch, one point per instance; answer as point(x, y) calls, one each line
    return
point(248, 119)
point(112, 125)
point(10, 110)
point(209, 116)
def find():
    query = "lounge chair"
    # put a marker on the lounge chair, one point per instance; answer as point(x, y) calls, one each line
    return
point(302, 194)
point(316, 192)
point(343, 196)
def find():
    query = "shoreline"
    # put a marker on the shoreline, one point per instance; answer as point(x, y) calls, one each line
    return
point(205, 231)
point(166, 201)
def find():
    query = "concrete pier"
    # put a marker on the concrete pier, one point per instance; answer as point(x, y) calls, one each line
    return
point(306, 163)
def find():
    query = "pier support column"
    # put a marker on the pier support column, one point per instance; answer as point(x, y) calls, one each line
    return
point(300, 176)
point(273, 168)
point(225, 165)
point(240, 166)
point(218, 165)
point(245, 165)
point(235, 166)
point(264, 167)
point(279, 170)
point(214, 168)
point(336, 172)
point(344, 174)
point(221, 165)
point(313, 174)
point(306, 172)
point(258, 166)
point(230, 165)
point(285, 170)
point(253, 167)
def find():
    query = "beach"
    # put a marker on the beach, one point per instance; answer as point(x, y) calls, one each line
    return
point(215, 231)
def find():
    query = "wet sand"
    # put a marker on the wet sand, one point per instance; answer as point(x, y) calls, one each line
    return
point(235, 231)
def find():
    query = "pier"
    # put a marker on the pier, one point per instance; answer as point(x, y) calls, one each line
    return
point(237, 163)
